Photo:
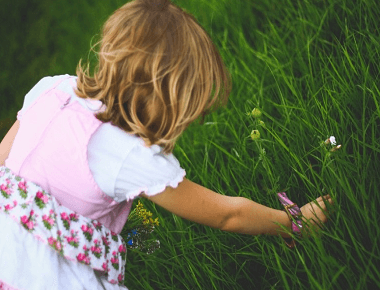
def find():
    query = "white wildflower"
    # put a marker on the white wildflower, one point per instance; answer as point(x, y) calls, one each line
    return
point(332, 140)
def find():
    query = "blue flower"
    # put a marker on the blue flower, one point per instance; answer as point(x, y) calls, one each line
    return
point(129, 236)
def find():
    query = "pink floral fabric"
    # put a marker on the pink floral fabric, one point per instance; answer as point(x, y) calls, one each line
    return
point(73, 236)
point(4, 286)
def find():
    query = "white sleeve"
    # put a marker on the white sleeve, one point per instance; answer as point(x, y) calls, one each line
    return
point(147, 170)
point(36, 91)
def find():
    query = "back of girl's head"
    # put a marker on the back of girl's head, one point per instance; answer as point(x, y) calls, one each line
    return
point(156, 73)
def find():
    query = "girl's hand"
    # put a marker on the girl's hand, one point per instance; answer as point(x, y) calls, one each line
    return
point(314, 216)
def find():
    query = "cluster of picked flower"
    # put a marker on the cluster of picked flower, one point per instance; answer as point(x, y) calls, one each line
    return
point(139, 227)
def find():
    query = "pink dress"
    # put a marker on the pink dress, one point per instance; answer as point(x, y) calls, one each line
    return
point(54, 217)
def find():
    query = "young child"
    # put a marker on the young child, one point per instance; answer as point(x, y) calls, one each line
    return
point(83, 148)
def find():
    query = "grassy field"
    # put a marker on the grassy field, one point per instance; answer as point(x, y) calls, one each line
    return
point(312, 68)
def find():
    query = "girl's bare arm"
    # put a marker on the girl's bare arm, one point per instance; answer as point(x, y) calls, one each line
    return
point(196, 203)
point(7, 142)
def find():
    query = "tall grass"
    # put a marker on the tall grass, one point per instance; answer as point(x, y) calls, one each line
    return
point(312, 68)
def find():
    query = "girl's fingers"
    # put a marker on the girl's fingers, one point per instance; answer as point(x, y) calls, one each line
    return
point(330, 201)
point(328, 197)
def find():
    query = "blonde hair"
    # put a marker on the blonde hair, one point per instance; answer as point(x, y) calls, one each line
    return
point(156, 72)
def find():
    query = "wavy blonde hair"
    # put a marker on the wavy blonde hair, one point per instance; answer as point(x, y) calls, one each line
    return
point(156, 72)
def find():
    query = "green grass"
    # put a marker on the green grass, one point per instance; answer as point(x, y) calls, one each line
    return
point(312, 67)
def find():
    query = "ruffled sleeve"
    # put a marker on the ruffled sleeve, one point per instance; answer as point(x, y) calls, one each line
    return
point(147, 170)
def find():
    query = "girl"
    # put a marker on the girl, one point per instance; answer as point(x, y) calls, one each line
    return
point(83, 148)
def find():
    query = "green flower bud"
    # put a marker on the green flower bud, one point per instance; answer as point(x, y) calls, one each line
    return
point(256, 113)
point(255, 134)
point(335, 148)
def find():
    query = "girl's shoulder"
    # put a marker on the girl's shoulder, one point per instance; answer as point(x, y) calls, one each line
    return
point(41, 86)
point(152, 158)
point(47, 82)
point(147, 169)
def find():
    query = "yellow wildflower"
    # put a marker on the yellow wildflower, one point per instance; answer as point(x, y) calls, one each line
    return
point(255, 134)
point(256, 113)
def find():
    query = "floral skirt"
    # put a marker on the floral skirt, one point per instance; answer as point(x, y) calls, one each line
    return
point(44, 244)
